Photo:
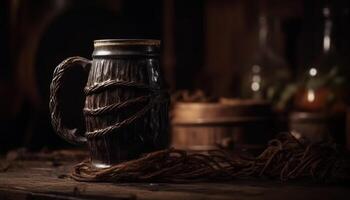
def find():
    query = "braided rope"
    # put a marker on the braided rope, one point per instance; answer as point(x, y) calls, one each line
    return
point(71, 135)
point(98, 87)
point(115, 107)
point(285, 158)
point(118, 125)
point(74, 135)
point(156, 96)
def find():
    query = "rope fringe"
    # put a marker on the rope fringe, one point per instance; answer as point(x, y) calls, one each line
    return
point(284, 158)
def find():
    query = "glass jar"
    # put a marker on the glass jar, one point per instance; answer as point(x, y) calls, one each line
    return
point(323, 82)
point(320, 99)
point(267, 74)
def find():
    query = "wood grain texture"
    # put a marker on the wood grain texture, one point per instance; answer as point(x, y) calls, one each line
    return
point(205, 126)
point(39, 180)
point(148, 132)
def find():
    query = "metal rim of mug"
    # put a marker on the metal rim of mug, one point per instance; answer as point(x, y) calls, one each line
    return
point(121, 42)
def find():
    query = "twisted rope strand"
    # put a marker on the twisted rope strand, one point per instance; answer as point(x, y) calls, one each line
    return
point(115, 107)
point(284, 158)
point(155, 96)
point(99, 87)
point(125, 122)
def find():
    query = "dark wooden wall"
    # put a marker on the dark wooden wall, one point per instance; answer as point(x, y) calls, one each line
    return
point(206, 44)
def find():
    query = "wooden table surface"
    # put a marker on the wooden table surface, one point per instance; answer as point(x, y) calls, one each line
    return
point(46, 180)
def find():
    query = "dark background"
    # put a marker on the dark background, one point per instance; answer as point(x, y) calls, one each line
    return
point(206, 44)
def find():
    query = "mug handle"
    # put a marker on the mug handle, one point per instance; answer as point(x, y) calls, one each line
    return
point(75, 135)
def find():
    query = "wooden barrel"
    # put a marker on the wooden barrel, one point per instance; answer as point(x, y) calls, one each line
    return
point(318, 126)
point(205, 126)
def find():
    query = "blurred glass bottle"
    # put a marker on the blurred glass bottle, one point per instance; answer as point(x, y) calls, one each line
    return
point(267, 74)
point(323, 81)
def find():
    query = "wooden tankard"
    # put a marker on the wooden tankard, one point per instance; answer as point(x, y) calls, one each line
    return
point(126, 106)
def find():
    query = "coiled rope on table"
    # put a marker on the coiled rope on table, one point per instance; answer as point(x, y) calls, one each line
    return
point(284, 158)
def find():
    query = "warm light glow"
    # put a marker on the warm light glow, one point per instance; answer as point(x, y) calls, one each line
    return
point(310, 95)
point(256, 78)
point(326, 43)
point(313, 71)
point(103, 52)
point(100, 165)
point(255, 86)
point(326, 12)
point(256, 69)
point(296, 134)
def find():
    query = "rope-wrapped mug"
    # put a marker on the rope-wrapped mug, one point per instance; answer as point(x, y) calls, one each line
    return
point(126, 105)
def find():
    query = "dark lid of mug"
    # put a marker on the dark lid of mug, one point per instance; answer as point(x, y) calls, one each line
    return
point(126, 47)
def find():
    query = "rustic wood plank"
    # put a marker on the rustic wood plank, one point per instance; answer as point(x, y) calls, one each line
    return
point(45, 180)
